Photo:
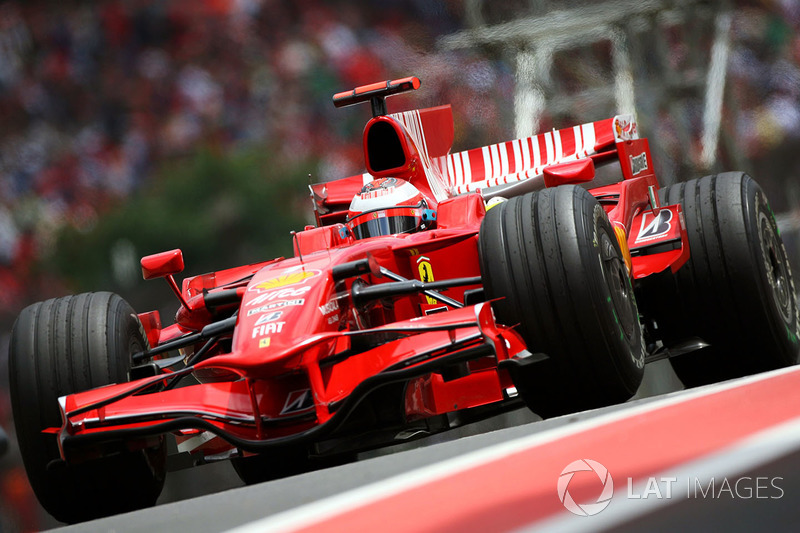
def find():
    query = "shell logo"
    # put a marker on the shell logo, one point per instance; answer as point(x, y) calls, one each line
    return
point(285, 280)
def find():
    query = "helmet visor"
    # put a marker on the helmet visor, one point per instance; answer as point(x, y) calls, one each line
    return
point(386, 222)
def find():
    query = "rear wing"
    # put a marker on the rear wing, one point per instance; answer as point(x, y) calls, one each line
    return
point(509, 168)
point(525, 159)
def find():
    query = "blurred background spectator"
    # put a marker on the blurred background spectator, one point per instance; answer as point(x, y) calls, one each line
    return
point(132, 126)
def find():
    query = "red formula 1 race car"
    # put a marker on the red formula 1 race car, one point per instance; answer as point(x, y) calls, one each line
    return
point(436, 288)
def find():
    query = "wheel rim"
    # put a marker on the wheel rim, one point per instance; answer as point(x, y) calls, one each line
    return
point(776, 268)
point(618, 283)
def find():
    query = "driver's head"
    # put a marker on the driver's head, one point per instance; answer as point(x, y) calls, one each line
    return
point(386, 206)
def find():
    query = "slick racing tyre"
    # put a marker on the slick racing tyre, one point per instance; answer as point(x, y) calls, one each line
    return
point(736, 291)
point(62, 346)
point(551, 263)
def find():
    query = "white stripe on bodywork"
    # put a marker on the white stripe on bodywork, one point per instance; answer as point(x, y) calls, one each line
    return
point(503, 150)
point(526, 153)
point(467, 176)
point(588, 138)
point(487, 163)
point(559, 151)
point(537, 155)
point(495, 161)
point(576, 132)
point(548, 146)
point(451, 179)
point(416, 133)
point(458, 170)
point(418, 122)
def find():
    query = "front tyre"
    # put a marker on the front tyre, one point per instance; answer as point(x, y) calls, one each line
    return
point(62, 346)
point(551, 263)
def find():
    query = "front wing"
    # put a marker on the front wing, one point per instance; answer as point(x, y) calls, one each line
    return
point(311, 401)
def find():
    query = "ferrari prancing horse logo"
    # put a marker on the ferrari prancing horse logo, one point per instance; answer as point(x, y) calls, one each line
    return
point(426, 275)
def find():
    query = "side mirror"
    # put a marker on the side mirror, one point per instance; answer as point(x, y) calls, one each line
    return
point(162, 265)
point(165, 265)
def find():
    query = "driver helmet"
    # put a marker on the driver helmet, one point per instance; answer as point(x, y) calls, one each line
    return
point(387, 206)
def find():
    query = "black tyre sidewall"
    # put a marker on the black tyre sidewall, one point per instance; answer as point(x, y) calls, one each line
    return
point(67, 345)
point(781, 319)
point(608, 315)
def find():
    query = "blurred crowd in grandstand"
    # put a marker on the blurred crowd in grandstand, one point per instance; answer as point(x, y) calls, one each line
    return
point(95, 95)
point(92, 96)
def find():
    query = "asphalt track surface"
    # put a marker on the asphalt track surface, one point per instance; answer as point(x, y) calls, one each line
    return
point(760, 464)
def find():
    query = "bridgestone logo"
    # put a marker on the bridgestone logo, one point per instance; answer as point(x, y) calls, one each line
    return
point(656, 228)
point(638, 163)
point(299, 400)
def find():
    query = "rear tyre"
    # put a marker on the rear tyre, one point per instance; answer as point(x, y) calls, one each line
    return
point(59, 347)
point(736, 291)
point(553, 262)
